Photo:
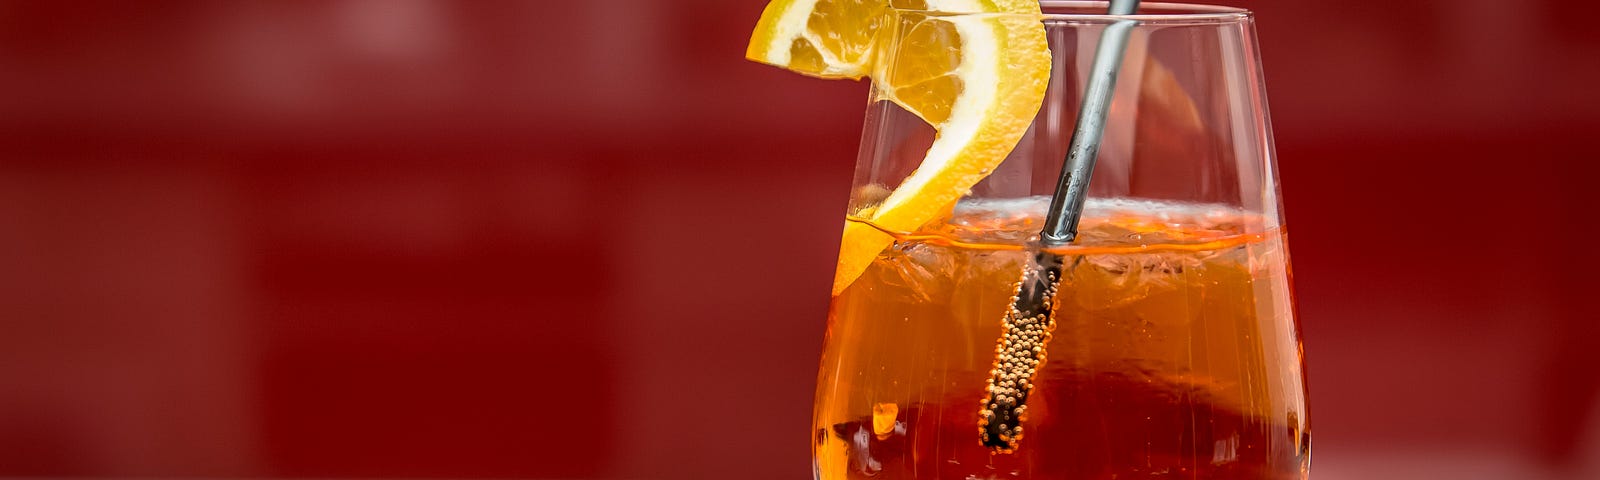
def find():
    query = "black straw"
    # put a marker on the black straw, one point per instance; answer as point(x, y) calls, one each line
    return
point(1066, 206)
point(1030, 319)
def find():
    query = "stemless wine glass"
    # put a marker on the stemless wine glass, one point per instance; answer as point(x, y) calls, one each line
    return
point(1175, 351)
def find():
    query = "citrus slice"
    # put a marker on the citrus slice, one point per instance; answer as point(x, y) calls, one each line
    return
point(821, 38)
point(977, 79)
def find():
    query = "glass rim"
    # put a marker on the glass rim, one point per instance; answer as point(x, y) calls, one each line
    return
point(1167, 13)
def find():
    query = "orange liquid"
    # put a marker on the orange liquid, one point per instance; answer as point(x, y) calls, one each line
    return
point(1175, 353)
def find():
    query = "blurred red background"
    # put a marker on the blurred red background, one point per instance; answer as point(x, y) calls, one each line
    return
point(588, 240)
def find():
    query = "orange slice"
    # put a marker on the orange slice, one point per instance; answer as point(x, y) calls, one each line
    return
point(978, 79)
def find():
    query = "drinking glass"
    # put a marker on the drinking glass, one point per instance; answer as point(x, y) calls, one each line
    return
point(1175, 351)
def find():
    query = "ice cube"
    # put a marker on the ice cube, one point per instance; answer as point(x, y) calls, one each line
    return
point(926, 271)
point(1119, 279)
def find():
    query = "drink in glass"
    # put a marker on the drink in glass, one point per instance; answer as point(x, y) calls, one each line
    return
point(1173, 351)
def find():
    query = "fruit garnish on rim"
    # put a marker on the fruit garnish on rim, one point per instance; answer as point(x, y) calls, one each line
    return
point(977, 79)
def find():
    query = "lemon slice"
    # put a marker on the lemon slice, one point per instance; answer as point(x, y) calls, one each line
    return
point(978, 79)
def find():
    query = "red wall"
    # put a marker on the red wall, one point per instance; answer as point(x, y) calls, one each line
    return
point(589, 240)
